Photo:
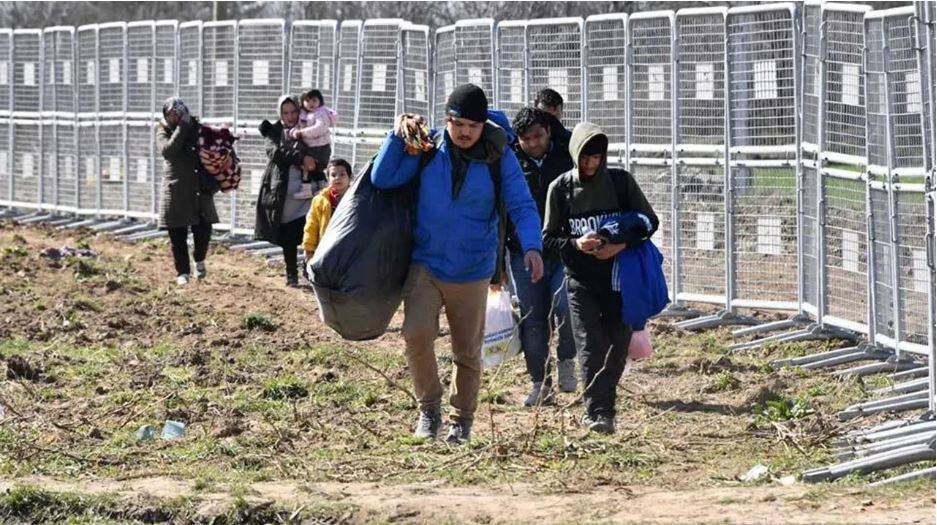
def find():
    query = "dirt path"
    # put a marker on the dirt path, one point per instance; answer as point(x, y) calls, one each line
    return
point(442, 503)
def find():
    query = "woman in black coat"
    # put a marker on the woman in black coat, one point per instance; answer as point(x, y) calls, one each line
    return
point(187, 201)
point(280, 217)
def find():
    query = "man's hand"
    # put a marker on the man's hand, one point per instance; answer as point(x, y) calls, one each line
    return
point(607, 251)
point(589, 242)
point(533, 263)
point(309, 163)
point(307, 256)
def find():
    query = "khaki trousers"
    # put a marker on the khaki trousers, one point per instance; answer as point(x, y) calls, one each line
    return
point(465, 310)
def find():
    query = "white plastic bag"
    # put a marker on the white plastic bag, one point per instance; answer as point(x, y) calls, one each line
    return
point(502, 338)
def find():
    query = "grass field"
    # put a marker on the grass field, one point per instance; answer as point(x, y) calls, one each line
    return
point(287, 423)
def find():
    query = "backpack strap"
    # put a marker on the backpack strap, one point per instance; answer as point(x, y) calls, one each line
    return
point(494, 170)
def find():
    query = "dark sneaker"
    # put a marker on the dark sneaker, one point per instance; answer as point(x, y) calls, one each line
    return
point(292, 281)
point(427, 426)
point(539, 395)
point(600, 424)
point(459, 432)
point(566, 375)
point(200, 271)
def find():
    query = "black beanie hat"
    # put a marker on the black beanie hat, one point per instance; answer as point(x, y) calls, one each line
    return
point(468, 101)
point(596, 145)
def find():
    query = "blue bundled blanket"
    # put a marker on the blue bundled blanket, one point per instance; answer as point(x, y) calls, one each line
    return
point(638, 275)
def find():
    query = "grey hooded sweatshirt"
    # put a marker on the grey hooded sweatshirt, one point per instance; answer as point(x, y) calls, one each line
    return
point(578, 205)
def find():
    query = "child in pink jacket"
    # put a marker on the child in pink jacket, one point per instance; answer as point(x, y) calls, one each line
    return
point(313, 129)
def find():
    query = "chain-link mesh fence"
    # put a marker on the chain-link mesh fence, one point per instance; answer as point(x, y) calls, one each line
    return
point(554, 50)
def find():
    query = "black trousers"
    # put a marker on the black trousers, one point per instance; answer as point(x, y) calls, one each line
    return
point(601, 342)
point(178, 242)
point(291, 235)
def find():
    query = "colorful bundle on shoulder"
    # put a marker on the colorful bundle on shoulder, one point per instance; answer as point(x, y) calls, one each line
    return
point(216, 151)
point(415, 134)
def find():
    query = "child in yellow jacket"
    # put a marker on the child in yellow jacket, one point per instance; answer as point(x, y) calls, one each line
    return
point(323, 205)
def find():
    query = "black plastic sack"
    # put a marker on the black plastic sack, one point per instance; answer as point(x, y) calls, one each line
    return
point(361, 263)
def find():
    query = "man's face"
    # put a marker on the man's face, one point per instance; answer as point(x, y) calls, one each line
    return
point(589, 164)
point(464, 132)
point(536, 141)
point(556, 111)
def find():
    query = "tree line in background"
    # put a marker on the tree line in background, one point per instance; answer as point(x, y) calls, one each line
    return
point(433, 14)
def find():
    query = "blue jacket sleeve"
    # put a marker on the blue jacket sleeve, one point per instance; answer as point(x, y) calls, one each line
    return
point(521, 207)
point(392, 166)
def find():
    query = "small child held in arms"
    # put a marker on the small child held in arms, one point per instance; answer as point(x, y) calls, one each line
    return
point(313, 129)
point(324, 204)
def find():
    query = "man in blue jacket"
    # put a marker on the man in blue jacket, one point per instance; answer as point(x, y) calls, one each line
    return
point(455, 245)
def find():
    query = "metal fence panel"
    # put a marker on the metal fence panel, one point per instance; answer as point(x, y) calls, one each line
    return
point(844, 90)
point(415, 70)
point(651, 37)
point(260, 69)
point(6, 71)
point(906, 90)
point(87, 73)
point(650, 134)
point(913, 279)
point(65, 165)
point(512, 67)
point(112, 68)
point(252, 152)
point(141, 67)
point(762, 127)
point(605, 71)
point(349, 69)
point(378, 92)
point(843, 146)
point(554, 48)
point(475, 56)
point(27, 76)
point(166, 67)
point(47, 167)
point(6, 161)
point(444, 70)
point(26, 162)
point(88, 168)
point(189, 73)
point(701, 232)
point(58, 77)
point(312, 54)
point(219, 86)
point(113, 167)
point(141, 183)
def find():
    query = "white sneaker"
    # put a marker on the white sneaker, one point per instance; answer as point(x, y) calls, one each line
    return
point(304, 193)
point(200, 271)
point(183, 279)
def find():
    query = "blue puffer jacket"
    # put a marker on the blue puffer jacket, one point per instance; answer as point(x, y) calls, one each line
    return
point(456, 239)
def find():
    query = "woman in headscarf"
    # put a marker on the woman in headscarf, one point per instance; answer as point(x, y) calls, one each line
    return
point(280, 216)
point(187, 189)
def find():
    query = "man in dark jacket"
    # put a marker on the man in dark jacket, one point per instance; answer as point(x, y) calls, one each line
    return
point(187, 201)
point(550, 101)
point(455, 246)
point(577, 204)
point(544, 305)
